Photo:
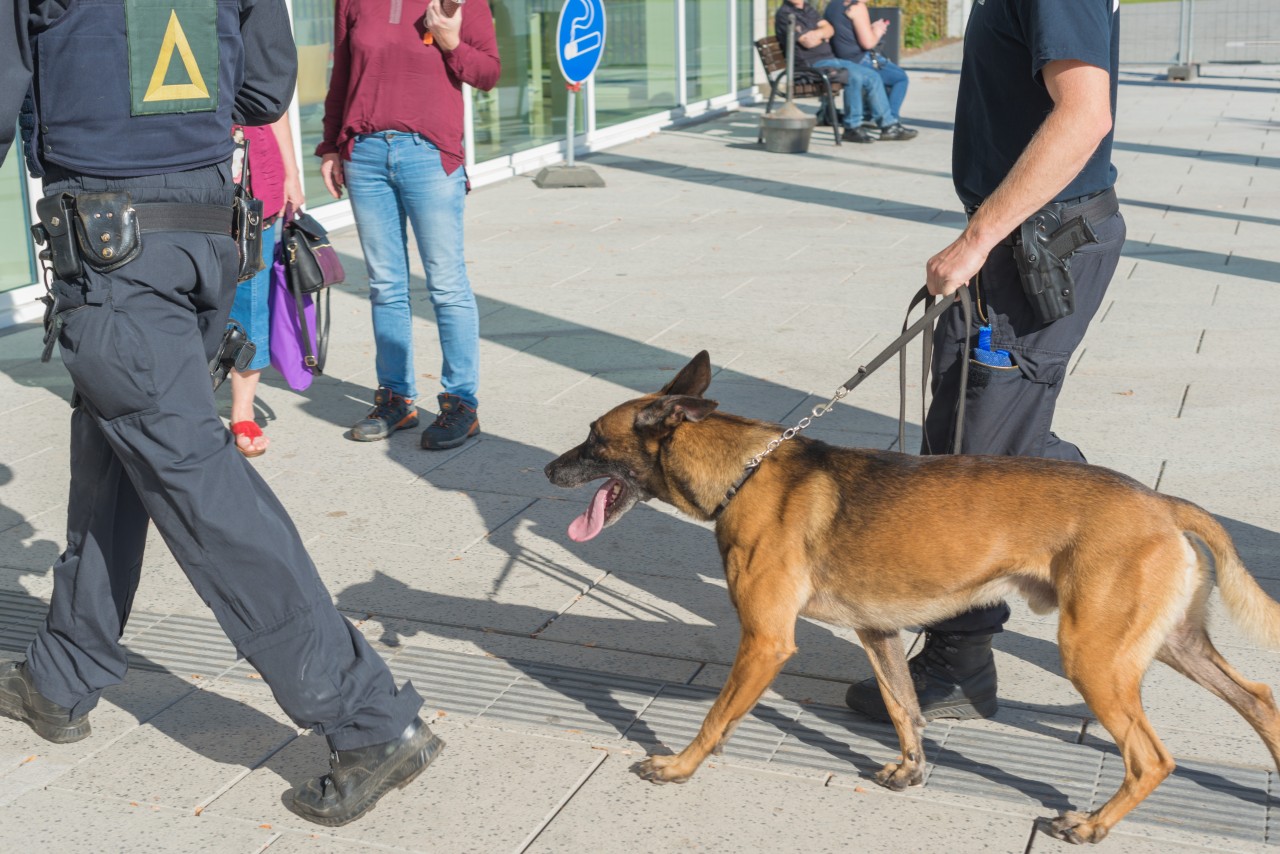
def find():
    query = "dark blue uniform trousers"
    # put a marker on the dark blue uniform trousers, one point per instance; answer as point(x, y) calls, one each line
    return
point(147, 445)
point(1009, 411)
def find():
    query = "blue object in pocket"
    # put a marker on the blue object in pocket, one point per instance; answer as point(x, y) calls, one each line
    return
point(983, 353)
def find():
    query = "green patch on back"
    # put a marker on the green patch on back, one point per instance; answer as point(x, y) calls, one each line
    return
point(173, 56)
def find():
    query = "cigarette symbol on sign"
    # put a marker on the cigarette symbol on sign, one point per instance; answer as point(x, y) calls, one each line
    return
point(580, 44)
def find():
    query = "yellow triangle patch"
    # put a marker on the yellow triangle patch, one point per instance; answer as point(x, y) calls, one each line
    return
point(157, 90)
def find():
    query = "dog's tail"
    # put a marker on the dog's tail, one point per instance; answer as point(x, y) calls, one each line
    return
point(1251, 608)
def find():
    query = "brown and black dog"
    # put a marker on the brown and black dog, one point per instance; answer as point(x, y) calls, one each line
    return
point(834, 534)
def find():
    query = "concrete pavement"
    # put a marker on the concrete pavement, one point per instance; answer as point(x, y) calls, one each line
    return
point(550, 667)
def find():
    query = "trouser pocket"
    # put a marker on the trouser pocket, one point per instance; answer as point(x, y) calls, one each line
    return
point(109, 359)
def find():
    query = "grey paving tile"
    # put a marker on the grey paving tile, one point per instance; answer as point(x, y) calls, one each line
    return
point(679, 618)
point(1048, 773)
point(570, 703)
point(487, 791)
point(110, 824)
point(470, 589)
point(1224, 802)
point(426, 516)
point(834, 741)
point(183, 756)
point(391, 637)
point(726, 808)
point(674, 717)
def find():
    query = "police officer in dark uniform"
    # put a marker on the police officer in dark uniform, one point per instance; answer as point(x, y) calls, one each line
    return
point(1031, 162)
point(127, 118)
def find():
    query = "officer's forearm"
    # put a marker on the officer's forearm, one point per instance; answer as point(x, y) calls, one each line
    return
point(1080, 119)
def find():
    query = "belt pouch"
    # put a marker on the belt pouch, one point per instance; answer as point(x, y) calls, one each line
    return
point(246, 228)
point(56, 213)
point(107, 230)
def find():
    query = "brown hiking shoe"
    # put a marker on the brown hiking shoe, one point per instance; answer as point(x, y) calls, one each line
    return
point(390, 413)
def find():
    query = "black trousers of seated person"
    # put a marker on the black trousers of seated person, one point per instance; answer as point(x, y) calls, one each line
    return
point(1009, 411)
point(147, 445)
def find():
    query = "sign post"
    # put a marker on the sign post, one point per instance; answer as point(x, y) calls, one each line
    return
point(579, 47)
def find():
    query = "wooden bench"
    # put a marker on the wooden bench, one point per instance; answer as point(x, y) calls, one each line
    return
point(809, 83)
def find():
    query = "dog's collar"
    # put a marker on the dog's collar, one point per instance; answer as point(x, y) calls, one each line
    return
point(751, 469)
point(932, 311)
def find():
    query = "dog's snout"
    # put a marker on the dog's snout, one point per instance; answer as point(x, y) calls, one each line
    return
point(555, 469)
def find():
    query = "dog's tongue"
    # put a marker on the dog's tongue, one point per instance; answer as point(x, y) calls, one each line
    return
point(591, 523)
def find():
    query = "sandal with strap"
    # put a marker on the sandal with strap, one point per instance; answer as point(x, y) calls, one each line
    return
point(250, 431)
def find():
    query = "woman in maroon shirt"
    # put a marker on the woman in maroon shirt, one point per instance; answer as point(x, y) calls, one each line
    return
point(393, 136)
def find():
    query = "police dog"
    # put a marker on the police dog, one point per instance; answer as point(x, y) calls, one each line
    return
point(836, 534)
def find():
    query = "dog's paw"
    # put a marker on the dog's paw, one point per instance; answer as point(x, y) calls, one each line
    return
point(1076, 828)
point(659, 769)
point(898, 776)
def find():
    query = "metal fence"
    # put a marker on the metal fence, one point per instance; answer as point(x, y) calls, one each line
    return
point(1200, 31)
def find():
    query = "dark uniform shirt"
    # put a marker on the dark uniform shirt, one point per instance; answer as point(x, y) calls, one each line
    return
point(1003, 99)
point(845, 41)
point(807, 19)
point(263, 96)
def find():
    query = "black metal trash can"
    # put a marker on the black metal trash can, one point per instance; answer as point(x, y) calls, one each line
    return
point(891, 44)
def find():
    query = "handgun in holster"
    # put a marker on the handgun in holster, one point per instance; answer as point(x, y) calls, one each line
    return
point(234, 351)
point(1042, 249)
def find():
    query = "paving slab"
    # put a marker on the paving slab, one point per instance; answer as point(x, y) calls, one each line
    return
point(110, 824)
point(727, 808)
point(457, 805)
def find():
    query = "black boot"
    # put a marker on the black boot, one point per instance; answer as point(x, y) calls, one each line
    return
point(20, 700)
point(954, 676)
point(358, 778)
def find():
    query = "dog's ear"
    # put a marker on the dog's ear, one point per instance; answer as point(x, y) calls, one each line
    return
point(669, 410)
point(693, 378)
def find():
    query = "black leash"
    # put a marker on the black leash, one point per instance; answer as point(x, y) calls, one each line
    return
point(933, 309)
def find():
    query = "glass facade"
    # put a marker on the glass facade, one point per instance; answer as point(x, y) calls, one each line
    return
point(638, 75)
point(746, 44)
point(313, 32)
point(17, 255)
point(706, 48)
point(528, 106)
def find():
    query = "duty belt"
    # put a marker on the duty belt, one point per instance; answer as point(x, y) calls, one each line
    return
point(176, 216)
point(1094, 207)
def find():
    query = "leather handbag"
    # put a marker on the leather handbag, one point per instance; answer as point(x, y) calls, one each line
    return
point(310, 260)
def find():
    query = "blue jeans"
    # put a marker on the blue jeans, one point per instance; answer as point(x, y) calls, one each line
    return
point(894, 80)
point(252, 306)
point(864, 83)
point(396, 177)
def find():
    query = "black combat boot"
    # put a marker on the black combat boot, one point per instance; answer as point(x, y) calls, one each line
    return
point(954, 676)
point(20, 700)
point(358, 778)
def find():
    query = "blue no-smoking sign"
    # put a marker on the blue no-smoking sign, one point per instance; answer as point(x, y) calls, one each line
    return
point(580, 38)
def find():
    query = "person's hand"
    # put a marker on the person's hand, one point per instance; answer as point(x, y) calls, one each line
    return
point(331, 172)
point(953, 267)
point(879, 28)
point(294, 198)
point(445, 30)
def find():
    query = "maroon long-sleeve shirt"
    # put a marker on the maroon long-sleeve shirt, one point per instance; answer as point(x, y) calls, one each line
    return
point(385, 78)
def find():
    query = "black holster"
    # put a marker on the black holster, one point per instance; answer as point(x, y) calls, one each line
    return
point(234, 351)
point(1042, 249)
